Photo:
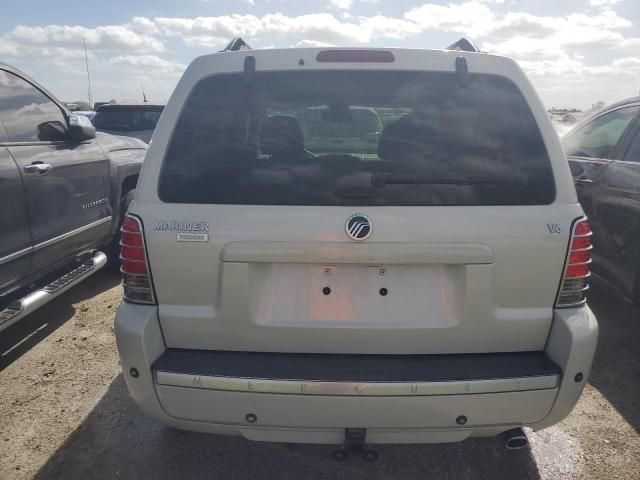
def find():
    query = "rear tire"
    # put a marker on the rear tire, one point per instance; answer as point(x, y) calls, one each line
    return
point(113, 249)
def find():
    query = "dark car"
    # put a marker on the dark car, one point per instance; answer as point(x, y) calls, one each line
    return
point(63, 193)
point(136, 120)
point(604, 156)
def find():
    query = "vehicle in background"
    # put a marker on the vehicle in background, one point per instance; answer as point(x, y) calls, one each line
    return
point(89, 114)
point(130, 119)
point(426, 290)
point(604, 157)
point(340, 129)
point(63, 193)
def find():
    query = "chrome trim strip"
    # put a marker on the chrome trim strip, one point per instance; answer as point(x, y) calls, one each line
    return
point(77, 231)
point(15, 255)
point(589, 248)
point(349, 252)
point(9, 143)
point(572, 305)
point(626, 162)
point(375, 389)
point(579, 277)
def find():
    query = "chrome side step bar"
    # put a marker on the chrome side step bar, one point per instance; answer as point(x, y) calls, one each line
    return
point(30, 302)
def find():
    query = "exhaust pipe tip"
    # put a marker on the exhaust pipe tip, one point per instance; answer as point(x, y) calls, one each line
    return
point(515, 439)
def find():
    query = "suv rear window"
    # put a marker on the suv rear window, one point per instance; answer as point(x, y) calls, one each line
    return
point(356, 138)
point(127, 118)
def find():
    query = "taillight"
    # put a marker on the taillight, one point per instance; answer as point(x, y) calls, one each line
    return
point(574, 285)
point(134, 266)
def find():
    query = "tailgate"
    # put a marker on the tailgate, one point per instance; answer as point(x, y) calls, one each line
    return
point(256, 201)
point(467, 281)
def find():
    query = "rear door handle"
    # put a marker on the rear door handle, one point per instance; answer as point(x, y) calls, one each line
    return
point(583, 181)
point(37, 168)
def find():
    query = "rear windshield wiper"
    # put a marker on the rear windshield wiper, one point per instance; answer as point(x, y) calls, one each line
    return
point(381, 179)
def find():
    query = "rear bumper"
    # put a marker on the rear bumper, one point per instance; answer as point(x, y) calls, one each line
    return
point(319, 412)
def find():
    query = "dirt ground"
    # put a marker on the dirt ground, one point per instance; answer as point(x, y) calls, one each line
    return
point(65, 413)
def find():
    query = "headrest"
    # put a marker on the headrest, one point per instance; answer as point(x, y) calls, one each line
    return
point(281, 135)
point(407, 135)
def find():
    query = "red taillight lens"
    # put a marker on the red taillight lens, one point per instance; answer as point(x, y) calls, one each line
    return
point(577, 269)
point(134, 266)
point(131, 225)
point(132, 253)
point(130, 238)
point(582, 228)
point(579, 257)
point(574, 271)
point(581, 243)
point(356, 56)
point(129, 266)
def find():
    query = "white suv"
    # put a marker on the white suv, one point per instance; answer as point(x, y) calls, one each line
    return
point(425, 290)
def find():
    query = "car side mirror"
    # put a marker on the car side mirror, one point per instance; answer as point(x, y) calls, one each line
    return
point(52, 131)
point(80, 128)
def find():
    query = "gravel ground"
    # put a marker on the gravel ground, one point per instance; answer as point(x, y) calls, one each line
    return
point(65, 413)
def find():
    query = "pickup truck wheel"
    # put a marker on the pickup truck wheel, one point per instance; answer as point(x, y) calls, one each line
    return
point(113, 249)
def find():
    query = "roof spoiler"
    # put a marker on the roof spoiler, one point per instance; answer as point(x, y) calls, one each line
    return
point(464, 45)
point(236, 44)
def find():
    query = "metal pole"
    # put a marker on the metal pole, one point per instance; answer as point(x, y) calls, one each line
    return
point(86, 61)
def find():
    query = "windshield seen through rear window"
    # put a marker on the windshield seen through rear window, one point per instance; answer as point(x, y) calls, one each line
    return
point(127, 119)
point(356, 138)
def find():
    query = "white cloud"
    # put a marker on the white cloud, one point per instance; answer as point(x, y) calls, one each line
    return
point(523, 25)
point(630, 63)
point(148, 64)
point(597, 3)
point(143, 25)
point(572, 60)
point(8, 48)
point(470, 18)
point(311, 44)
point(559, 52)
point(569, 83)
point(341, 4)
point(522, 35)
point(555, 51)
point(155, 74)
point(320, 27)
point(110, 37)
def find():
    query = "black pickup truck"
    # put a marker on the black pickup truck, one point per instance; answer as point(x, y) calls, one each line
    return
point(63, 192)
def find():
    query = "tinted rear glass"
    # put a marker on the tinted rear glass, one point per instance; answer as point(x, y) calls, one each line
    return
point(127, 119)
point(356, 138)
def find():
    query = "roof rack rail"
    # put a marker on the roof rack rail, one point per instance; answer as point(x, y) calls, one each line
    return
point(464, 45)
point(236, 44)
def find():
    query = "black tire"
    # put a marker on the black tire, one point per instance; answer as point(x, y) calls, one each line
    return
point(113, 249)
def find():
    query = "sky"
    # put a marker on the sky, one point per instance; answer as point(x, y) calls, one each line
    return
point(575, 52)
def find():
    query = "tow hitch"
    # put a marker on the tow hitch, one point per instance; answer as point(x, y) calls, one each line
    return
point(355, 444)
